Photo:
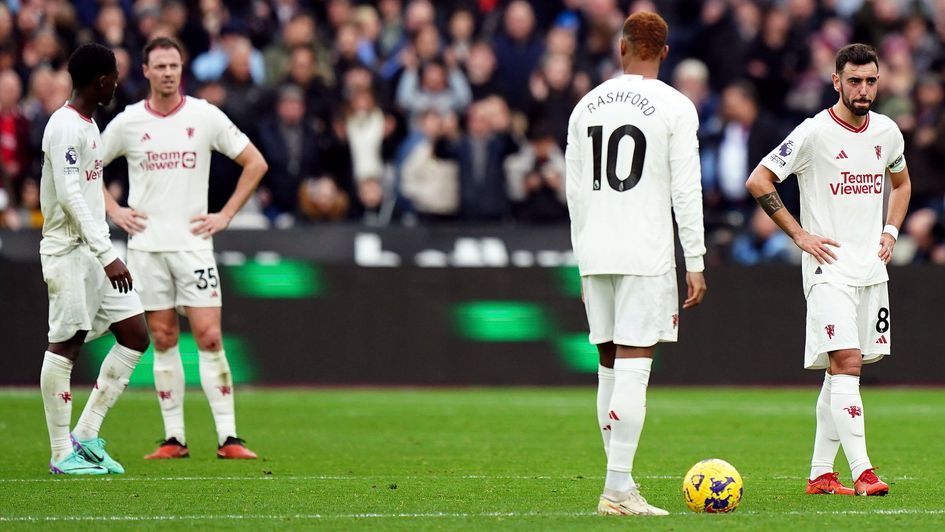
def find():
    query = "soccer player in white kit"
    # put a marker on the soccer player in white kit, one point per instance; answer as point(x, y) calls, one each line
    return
point(841, 157)
point(167, 140)
point(633, 161)
point(90, 289)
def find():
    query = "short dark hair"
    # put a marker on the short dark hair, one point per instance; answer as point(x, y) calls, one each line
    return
point(161, 42)
point(646, 33)
point(856, 54)
point(89, 62)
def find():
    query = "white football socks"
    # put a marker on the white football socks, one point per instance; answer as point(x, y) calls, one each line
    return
point(55, 383)
point(605, 389)
point(112, 380)
point(627, 412)
point(847, 409)
point(217, 382)
point(170, 386)
point(826, 439)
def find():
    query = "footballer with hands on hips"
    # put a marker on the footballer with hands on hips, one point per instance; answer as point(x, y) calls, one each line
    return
point(632, 163)
point(167, 140)
point(841, 157)
point(90, 289)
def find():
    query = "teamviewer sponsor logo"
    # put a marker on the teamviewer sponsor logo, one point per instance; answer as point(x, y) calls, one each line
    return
point(169, 160)
point(851, 184)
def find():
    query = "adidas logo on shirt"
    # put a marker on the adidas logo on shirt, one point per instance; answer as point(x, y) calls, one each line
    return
point(841, 155)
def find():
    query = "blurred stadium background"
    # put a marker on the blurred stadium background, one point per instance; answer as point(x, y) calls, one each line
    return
point(412, 228)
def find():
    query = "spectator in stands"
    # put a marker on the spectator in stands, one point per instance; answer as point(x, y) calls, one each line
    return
point(299, 32)
point(289, 143)
point(535, 178)
point(345, 54)
point(481, 153)
point(392, 26)
point(518, 50)
point(187, 29)
point(747, 134)
point(429, 177)
point(926, 231)
point(303, 72)
point(925, 146)
point(15, 152)
point(462, 30)
point(212, 64)
point(243, 91)
point(29, 214)
point(481, 72)
point(366, 126)
point(762, 242)
point(322, 199)
point(552, 95)
point(368, 24)
point(433, 86)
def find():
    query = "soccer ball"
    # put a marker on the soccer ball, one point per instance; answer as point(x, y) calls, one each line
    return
point(712, 486)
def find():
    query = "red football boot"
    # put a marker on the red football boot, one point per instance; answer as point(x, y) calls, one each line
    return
point(169, 448)
point(235, 449)
point(828, 484)
point(870, 484)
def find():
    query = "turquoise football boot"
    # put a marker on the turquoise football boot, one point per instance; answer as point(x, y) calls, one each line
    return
point(94, 451)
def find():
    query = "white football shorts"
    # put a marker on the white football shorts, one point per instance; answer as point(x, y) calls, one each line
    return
point(175, 279)
point(81, 298)
point(840, 316)
point(632, 310)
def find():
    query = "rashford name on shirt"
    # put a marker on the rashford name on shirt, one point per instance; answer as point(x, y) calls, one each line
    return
point(634, 98)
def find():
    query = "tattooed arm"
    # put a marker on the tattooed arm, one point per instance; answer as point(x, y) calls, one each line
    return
point(761, 186)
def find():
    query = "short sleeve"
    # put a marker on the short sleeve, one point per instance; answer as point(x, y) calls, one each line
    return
point(113, 140)
point(227, 138)
point(896, 159)
point(793, 155)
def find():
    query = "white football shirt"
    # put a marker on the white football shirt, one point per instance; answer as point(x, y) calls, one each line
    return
point(169, 167)
point(841, 172)
point(71, 190)
point(632, 162)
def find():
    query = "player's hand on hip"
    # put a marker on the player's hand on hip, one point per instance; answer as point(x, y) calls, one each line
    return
point(697, 289)
point(817, 246)
point(209, 224)
point(130, 220)
point(886, 245)
point(119, 275)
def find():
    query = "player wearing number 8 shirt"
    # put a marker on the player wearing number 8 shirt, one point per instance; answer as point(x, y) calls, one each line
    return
point(632, 162)
point(167, 140)
point(841, 157)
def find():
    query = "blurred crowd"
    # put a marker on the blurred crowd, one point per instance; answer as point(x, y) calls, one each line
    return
point(414, 112)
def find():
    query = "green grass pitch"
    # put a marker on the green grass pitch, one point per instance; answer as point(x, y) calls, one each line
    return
point(497, 458)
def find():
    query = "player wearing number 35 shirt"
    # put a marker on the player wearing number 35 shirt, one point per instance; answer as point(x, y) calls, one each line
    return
point(633, 162)
point(167, 140)
point(841, 157)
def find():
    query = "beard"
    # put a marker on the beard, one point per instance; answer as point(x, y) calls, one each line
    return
point(851, 105)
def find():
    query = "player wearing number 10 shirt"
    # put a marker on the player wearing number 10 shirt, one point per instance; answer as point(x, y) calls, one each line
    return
point(632, 163)
point(167, 140)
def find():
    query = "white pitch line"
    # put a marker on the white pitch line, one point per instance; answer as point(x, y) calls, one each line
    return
point(419, 515)
point(392, 477)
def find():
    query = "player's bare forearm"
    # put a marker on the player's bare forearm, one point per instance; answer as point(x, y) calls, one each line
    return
point(899, 197)
point(254, 168)
point(111, 206)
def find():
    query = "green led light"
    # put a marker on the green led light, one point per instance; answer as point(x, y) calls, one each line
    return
point(577, 353)
point(581, 356)
point(237, 353)
point(501, 321)
point(569, 280)
point(283, 279)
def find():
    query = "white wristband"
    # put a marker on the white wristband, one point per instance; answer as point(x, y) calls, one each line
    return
point(893, 232)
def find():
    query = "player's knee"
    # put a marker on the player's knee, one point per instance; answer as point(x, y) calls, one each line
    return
point(138, 342)
point(210, 339)
point(164, 339)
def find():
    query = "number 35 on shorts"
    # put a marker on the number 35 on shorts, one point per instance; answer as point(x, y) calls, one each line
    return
point(206, 278)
